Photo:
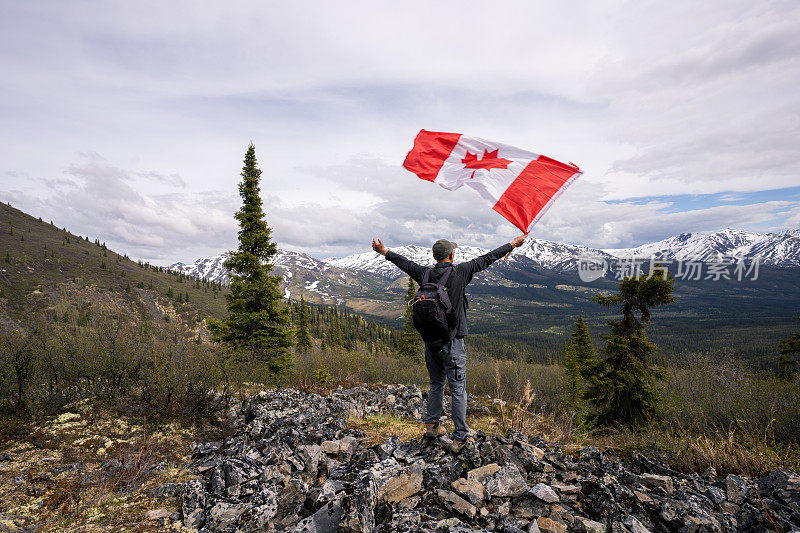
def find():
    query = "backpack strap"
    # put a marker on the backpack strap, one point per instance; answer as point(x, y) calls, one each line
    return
point(426, 276)
point(443, 279)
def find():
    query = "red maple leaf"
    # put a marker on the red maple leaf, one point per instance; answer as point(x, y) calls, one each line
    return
point(488, 161)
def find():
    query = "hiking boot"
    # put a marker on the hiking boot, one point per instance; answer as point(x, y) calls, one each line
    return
point(458, 445)
point(435, 430)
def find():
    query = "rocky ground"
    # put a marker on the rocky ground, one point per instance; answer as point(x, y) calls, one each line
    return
point(294, 465)
point(91, 470)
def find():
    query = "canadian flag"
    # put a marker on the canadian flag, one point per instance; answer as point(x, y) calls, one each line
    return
point(519, 185)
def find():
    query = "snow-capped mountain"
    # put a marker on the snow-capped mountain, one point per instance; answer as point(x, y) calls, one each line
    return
point(779, 249)
point(553, 255)
point(376, 264)
point(301, 273)
point(213, 268)
point(210, 268)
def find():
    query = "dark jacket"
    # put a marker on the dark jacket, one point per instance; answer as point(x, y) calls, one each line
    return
point(457, 282)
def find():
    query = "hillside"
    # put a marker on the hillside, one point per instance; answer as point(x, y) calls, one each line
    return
point(41, 264)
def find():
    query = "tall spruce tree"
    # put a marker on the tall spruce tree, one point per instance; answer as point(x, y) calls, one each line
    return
point(409, 343)
point(257, 325)
point(579, 360)
point(624, 388)
point(303, 336)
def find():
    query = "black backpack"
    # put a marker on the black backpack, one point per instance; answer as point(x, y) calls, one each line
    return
point(429, 311)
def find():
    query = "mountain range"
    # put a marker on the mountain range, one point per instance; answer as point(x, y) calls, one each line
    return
point(775, 249)
point(536, 294)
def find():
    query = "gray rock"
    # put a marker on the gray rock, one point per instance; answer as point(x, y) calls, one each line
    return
point(584, 525)
point(544, 493)
point(358, 508)
point(470, 489)
point(193, 504)
point(325, 520)
point(736, 489)
point(292, 458)
point(167, 490)
point(634, 525)
point(507, 481)
point(310, 454)
point(456, 503)
point(529, 508)
point(224, 514)
point(655, 482)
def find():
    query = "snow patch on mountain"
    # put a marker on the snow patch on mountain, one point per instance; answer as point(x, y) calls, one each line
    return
point(779, 249)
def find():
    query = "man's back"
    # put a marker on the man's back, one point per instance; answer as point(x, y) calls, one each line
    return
point(456, 283)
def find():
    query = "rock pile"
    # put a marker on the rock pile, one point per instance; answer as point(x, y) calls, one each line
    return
point(293, 465)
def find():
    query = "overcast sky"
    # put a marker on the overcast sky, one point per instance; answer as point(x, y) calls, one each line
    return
point(128, 121)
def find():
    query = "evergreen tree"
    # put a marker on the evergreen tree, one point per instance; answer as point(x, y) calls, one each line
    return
point(408, 344)
point(787, 347)
point(623, 387)
point(572, 374)
point(257, 325)
point(579, 360)
point(303, 337)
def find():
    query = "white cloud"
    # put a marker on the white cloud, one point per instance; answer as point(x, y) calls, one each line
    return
point(650, 99)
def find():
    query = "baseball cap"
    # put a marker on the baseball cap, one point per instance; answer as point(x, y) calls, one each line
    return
point(443, 248)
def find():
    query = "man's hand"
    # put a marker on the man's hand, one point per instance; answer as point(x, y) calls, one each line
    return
point(378, 246)
point(517, 242)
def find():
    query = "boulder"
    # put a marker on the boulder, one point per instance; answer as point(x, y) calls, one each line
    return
point(456, 503)
point(654, 482)
point(193, 504)
point(325, 520)
point(507, 481)
point(736, 489)
point(166, 490)
point(544, 493)
point(633, 525)
point(470, 489)
point(584, 525)
point(547, 525)
point(399, 484)
point(483, 472)
point(224, 514)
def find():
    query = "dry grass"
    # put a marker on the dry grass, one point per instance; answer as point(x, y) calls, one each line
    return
point(89, 470)
point(379, 427)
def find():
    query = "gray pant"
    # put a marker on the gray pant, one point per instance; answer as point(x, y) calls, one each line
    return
point(450, 364)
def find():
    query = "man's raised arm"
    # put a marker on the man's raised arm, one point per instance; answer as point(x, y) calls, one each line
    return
point(483, 262)
point(409, 267)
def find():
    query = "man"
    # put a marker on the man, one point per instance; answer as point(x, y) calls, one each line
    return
point(451, 362)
